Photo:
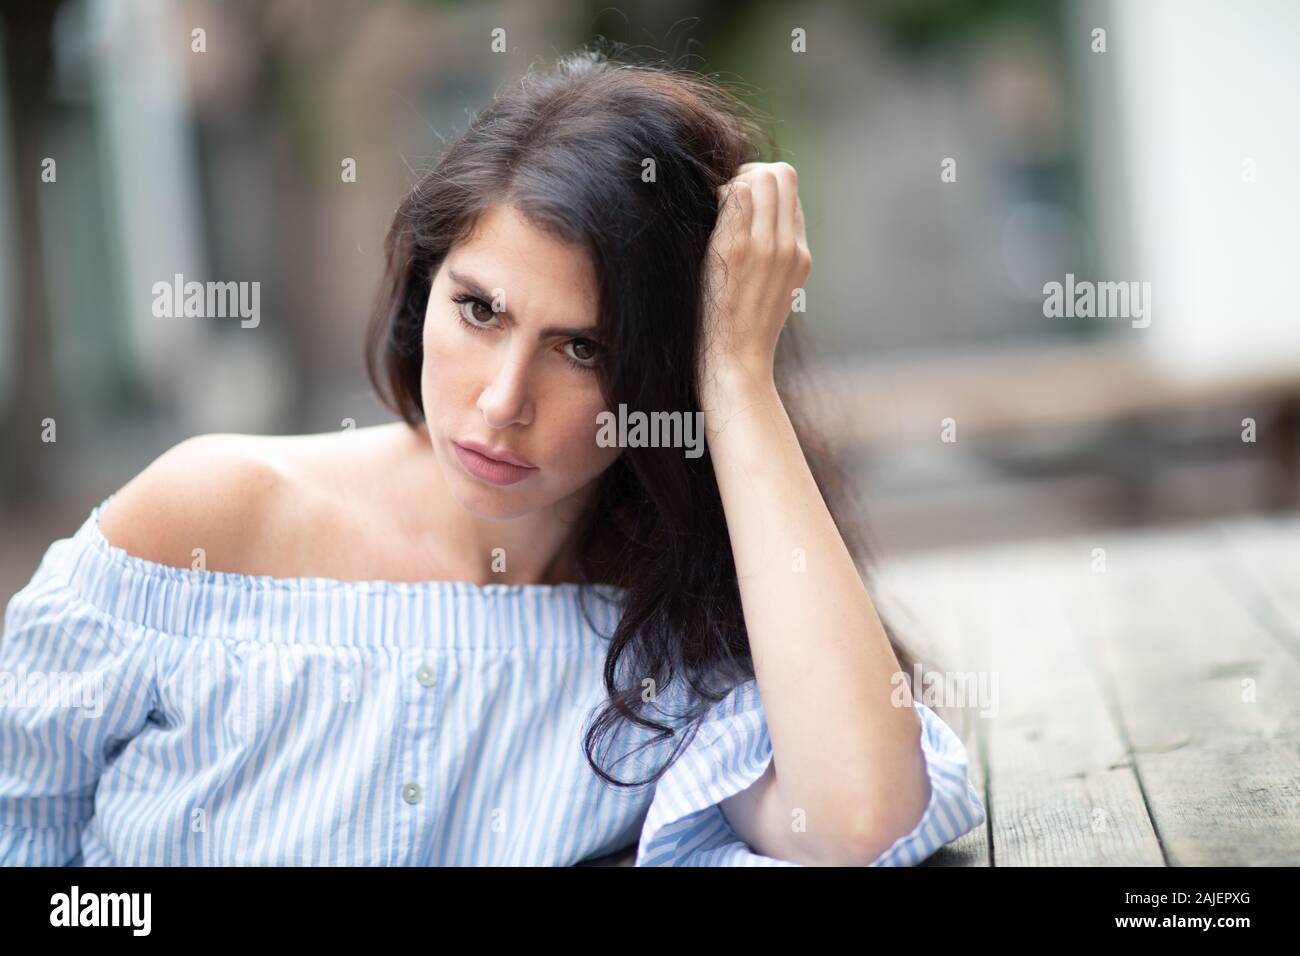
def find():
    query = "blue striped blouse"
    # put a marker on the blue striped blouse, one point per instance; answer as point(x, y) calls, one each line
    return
point(152, 715)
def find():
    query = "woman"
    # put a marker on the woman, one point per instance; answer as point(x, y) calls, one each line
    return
point(474, 636)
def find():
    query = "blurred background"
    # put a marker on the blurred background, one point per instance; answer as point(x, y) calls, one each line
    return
point(955, 156)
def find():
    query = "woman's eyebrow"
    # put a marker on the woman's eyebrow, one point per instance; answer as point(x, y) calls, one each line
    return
point(476, 288)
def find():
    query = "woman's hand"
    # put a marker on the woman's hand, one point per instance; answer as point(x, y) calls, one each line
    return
point(757, 257)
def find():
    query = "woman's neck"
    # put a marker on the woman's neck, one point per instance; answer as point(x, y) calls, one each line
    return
point(537, 548)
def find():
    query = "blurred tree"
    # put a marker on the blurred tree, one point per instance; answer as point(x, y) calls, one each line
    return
point(919, 25)
point(27, 58)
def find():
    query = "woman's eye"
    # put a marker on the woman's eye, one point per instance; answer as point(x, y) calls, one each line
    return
point(584, 351)
point(474, 310)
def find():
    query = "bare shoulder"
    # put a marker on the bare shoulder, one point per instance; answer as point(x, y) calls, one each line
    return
point(278, 505)
point(214, 492)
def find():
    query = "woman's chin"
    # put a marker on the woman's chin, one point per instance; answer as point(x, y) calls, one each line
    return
point(488, 503)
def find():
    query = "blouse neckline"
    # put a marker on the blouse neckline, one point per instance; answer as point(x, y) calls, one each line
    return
point(307, 582)
point(227, 604)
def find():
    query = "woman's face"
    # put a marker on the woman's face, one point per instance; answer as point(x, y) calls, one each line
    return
point(508, 370)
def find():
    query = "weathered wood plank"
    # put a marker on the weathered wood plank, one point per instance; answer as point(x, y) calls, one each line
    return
point(1205, 695)
point(1268, 552)
point(1062, 791)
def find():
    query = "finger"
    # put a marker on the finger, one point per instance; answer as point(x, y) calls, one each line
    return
point(763, 225)
point(747, 173)
point(787, 203)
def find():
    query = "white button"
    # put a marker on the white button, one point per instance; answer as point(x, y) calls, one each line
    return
point(411, 793)
point(425, 675)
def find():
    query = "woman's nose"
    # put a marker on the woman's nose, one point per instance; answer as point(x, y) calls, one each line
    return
point(505, 400)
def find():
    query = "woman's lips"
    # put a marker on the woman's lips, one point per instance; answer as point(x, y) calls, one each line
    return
point(490, 469)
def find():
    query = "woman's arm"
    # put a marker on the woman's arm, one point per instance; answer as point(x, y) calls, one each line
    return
point(847, 757)
point(75, 686)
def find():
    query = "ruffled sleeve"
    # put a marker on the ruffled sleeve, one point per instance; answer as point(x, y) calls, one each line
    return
point(685, 826)
point(73, 690)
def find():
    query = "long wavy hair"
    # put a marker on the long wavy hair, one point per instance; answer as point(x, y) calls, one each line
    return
point(567, 147)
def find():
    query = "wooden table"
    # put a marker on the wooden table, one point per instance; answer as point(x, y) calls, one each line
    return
point(1147, 695)
point(1148, 713)
point(1062, 393)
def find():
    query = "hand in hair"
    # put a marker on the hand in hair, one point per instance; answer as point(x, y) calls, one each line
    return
point(757, 258)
